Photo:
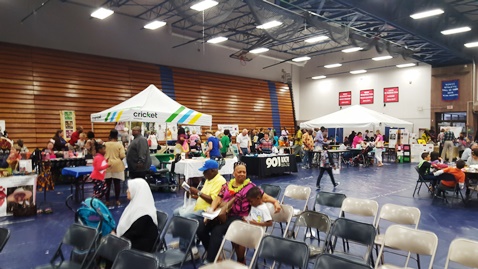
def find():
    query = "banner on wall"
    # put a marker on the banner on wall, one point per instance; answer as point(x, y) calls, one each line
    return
point(390, 95)
point(345, 98)
point(366, 97)
point(68, 123)
point(449, 90)
point(233, 128)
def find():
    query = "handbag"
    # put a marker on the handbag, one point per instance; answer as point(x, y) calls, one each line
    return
point(379, 144)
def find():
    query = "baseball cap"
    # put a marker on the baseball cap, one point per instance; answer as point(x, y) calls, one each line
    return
point(209, 164)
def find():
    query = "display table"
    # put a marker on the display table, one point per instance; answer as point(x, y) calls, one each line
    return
point(17, 190)
point(190, 167)
point(163, 157)
point(269, 164)
point(76, 174)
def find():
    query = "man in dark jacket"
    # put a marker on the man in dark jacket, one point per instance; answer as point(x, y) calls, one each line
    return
point(138, 157)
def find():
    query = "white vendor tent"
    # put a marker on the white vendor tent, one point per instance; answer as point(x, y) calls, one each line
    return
point(152, 105)
point(356, 117)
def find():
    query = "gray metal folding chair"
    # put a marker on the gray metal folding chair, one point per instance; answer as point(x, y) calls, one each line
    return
point(307, 223)
point(4, 236)
point(131, 258)
point(271, 190)
point(282, 251)
point(162, 218)
point(329, 199)
point(330, 261)
point(110, 246)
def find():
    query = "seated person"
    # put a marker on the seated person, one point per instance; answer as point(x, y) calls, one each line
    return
point(473, 159)
point(436, 161)
point(456, 172)
point(265, 144)
point(48, 152)
point(14, 157)
point(425, 167)
point(259, 214)
point(467, 153)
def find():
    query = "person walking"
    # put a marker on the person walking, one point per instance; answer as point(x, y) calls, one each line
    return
point(448, 138)
point(326, 165)
point(138, 158)
point(379, 148)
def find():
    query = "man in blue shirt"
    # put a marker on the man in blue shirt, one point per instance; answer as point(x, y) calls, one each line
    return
point(213, 145)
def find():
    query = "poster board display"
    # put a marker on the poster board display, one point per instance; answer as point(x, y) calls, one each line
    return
point(456, 130)
point(68, 123)
point(418, 149)
point(17, 191)
point(233, 128)
point(392, 138)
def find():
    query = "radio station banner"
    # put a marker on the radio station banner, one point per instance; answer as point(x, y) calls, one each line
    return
point(366, 97)
point(449, 90)
point(233, 128)
point(390, 95)
point(68, 123)
point(345, 98)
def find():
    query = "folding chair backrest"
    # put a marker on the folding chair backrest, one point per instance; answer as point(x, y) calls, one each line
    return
point(360, 207)
point(330, 261)
point(80, 237)
point(283, 251)
point(283, 216)
point(110, 246)
point(398, 214)
point(297, 193)
point(464, 252)
point(330, 199)
point(243, 234)
point(4, 236)
point(420, 177)
point(131, 258)
point(162, 218)
point(272, 190)
point(313, 219)
point(183, 228)
point(410, 240)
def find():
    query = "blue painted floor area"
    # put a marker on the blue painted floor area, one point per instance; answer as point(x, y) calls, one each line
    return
point(33, 240)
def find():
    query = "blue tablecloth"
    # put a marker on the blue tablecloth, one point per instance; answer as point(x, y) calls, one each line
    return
point(77, 171)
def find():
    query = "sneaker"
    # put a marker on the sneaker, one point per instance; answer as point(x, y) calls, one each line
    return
point(195, 250)
point(336, 184)
point(118, 203)
point(174, 244)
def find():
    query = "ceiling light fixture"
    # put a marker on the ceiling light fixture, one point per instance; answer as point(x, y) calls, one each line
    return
point(354, 49)
point(216, 40)
point(355, 72)
point(102, 13)
point(427, 13)
point(406, 65)
point(381, 58)
point(269, 25)
point(332, 65)
point(203, 5)
point(154, 25)
point(456, 30)
point(301, 59)
point(471, 44)
point(319, 77)
point(259, 50)
point(316, 39)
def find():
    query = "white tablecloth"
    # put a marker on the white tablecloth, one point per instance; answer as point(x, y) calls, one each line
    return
point(190, 168)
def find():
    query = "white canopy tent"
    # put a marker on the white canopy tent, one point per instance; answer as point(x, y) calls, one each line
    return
point(356, 117)
point(152, 105)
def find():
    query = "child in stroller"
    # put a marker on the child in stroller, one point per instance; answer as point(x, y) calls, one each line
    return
point(363, 157)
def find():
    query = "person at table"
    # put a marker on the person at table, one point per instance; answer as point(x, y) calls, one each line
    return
point(194, 141)
point(80, 144)
point(463, 143)
point(115, 154)
point(138, 158)
point(319, 139)
point(243, 142)
point(308, 143)
point(351, 138)
point(379, 147)
point(265, 144)
point(75, 136)
point(456, 172)
point(138, 223)
point(436, 161)
point(213, 145)
point(91, 145)
point(234, 205)
point(48, 152)
point(182, 145)
point(205, 196)
point(473, 159)
point(425, 167)
point(426, 137)
point(23, 148)
point(14, 157)
point(358, 140)
point(467, 152)
point(225, 141)
point(60, 142)
point(152, 142)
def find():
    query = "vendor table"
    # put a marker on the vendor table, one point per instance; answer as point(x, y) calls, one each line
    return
point(337, 154)
point(17, 191)
point(77, 173)
point(269, 164)
point(190, 167)
point(163, 157)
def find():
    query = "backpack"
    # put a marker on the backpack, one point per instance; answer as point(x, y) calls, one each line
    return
point(94, 213)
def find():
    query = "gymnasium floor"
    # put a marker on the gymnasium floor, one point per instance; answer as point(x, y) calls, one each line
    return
point(33, 240)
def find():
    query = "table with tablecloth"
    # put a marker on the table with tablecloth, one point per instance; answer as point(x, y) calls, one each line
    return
point(17, 191)
point(269, 164)
point(77, 174)
point(190, 167)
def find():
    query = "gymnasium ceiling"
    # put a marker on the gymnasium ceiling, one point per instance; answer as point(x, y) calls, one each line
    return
point(383, 27)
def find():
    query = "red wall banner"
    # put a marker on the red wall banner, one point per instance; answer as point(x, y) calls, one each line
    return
point(366, 97)
point(390, 95)
point(345, 98)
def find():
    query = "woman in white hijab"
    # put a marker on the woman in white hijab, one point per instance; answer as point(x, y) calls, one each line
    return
point(138, 223)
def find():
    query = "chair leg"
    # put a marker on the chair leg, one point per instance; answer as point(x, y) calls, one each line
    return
point(415, 190)
point(418, 261)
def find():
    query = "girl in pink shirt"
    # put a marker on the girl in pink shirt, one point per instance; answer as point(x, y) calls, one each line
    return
point(100, 164)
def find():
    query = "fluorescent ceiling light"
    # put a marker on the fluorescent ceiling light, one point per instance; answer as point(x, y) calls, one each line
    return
point(269, 25)
point(301, 59)
point(203, 5)
point(381, 58)
point(471, 44)
point(332, 65)
point(259, 50)
point(317, 39)
point(102, 13)
point(216, 40)
point(319, 77)
point(355, 72)
point(352, 49)
point(406, 65)
point(154, 25)
point(427, 13)
point(456, 30)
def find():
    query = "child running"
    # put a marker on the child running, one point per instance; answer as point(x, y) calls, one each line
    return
point(326, 164)
point(100, 164)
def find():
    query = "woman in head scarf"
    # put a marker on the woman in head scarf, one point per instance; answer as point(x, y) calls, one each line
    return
point(138, 223)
